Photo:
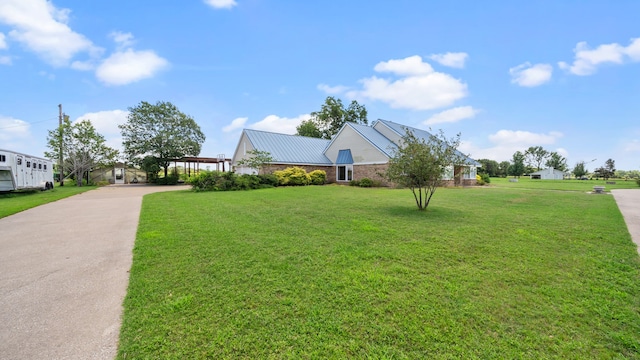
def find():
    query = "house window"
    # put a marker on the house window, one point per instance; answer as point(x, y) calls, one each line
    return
point(345, 173)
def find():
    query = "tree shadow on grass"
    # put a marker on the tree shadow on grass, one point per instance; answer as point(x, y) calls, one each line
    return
point(431, 213)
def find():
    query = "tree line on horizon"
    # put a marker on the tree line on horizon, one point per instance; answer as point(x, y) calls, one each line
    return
point(533, 159)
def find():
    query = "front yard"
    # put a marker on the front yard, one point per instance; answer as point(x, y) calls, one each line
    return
point(344, 272)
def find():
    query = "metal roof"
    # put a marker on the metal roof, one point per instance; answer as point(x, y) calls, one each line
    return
point(421, 134)
point(375, 138)
point(290, 149)
point(344, 157)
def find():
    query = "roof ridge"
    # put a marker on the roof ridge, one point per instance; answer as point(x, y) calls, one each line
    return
point(283, 134)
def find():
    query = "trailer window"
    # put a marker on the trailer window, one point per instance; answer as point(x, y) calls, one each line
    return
point(28, 164)
point(39, 166)
point(45, 166)
point(3, 158)
point(19, 161)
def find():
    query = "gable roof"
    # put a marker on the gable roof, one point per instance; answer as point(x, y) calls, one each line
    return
point(290, 149)
point(401, 130)
point(376, 139)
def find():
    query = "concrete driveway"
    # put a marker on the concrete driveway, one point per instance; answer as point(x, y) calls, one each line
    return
point(628, 201)
point(64, 270)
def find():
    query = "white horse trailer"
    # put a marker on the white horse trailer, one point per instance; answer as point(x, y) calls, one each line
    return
point(24, 172)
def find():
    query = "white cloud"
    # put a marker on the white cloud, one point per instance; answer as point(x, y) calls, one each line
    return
point(506, 142)
point(524, 138)
point(12, 129)
point(43, 29)
point(587, 60)
point(412, 65)
point(278, 124)
point(633, 50)
point(221, 4)
point(452, 115)
point(83, 65)
point(5, 60)
point(531, 75)
point(454, 60)
point(106, 122)
point(418, 88)
point(332, 89)
point(123, 40)
point(3, 41)
point(237, 123)
point(128, 66)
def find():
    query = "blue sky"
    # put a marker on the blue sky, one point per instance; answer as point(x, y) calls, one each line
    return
point(507, 75)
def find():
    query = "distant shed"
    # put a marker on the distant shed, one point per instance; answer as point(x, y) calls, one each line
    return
point(548, 174)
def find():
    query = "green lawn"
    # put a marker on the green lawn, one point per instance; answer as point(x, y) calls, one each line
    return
point(568, 185)
point(11, 203)
point(344, 272)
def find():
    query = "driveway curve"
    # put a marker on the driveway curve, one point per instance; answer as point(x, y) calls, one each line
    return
point(64, 271)
point(628, 201)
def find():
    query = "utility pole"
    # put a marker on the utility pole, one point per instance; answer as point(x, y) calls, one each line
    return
point(60, 159)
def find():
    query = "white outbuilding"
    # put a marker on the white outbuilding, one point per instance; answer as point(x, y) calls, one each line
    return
point(548, 174)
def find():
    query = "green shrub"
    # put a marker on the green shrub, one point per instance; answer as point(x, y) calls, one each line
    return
point(246, 182)
point(318, 177)
point(212, 181)
point(167, 180)
point(269, 180)
point(479, 180)
point(638, 181)
point(354, 183)
point(366, 182)
point(293, 176)
point(486, 178)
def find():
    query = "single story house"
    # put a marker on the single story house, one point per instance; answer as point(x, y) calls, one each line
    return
point(548, 174)
point(355, 152)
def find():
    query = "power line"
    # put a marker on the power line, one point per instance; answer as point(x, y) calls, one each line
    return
point(27, 123)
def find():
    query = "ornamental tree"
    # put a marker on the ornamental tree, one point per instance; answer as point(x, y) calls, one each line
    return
point(422, 164)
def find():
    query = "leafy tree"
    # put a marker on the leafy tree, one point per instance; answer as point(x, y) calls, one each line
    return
point(331, 117)
point(556, 161)
point(606, 171)
point(535, 156)
point(489, 167)
point(82, 146)
point(308, 128)
point(421, 164)
point(579, 170)
point(517, 164)
point(150, 165)
point(257, 160)
point(503, 168)
point(161, 131)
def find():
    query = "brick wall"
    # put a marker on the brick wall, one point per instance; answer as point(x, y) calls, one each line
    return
point(359, 172)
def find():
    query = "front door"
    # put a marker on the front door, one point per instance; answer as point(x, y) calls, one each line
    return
point(118, 175)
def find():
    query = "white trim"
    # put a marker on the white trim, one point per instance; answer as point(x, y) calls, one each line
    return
point(348, 172)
